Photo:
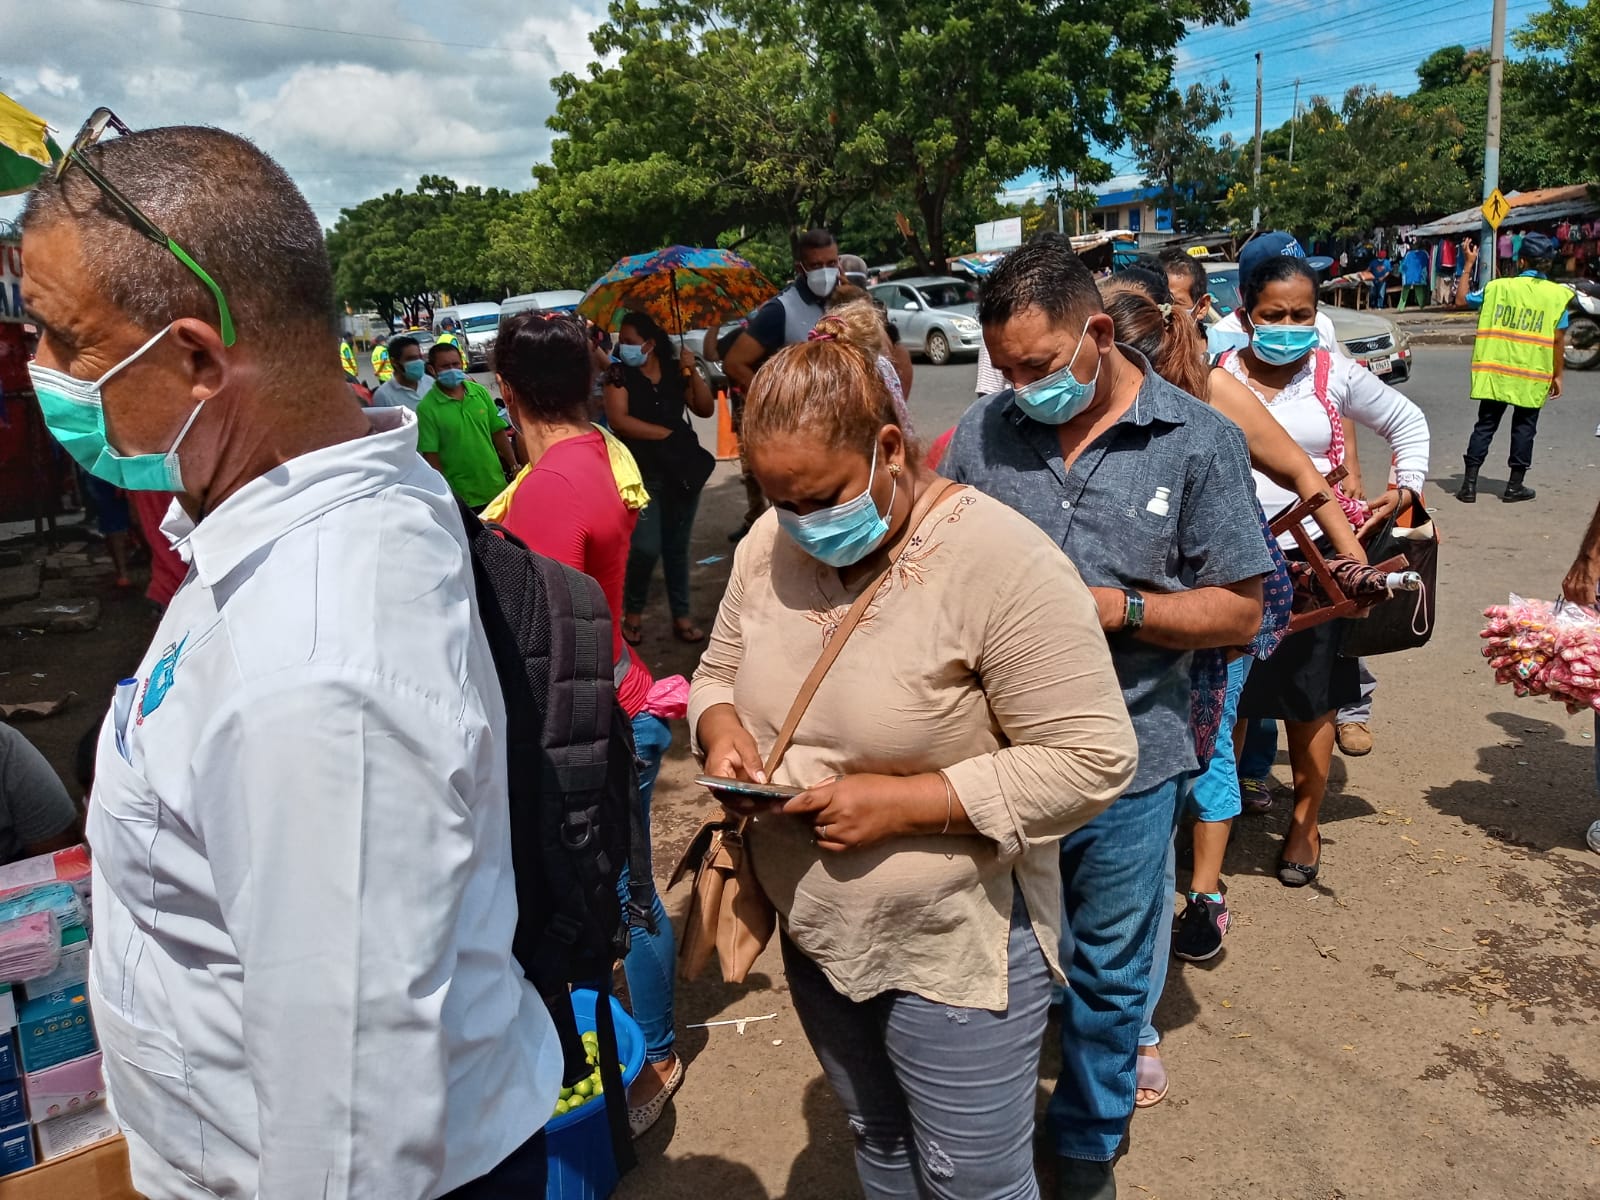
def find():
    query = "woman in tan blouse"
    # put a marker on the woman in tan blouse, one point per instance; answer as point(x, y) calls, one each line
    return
point(971, 721)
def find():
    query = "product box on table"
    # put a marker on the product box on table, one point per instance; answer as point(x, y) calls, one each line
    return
point(9, 1067)
point(63, 866)
point(96, 1172)
point(16, 1149)
point(75, 1130)
point(73, 970)
point(8, 1006)
point(64, 1088)
point(13, 1103)
point(55, 1029)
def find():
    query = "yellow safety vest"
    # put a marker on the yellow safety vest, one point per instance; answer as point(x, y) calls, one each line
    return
point(347, 359)
point(1514, 358)
point(460, 343)
point(380, 362)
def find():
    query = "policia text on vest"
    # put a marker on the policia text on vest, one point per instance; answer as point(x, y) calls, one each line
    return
point(1516, 365)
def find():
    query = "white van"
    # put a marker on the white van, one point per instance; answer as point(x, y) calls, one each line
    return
point(560, 301)
point(480, 323)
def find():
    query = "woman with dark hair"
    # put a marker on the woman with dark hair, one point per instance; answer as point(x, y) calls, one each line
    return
point(1311, 393)
point(972, 721)
point(578, 501)
point(645, 400)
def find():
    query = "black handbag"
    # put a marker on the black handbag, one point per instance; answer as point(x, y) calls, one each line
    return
point(684, 461)
point(1405, 620)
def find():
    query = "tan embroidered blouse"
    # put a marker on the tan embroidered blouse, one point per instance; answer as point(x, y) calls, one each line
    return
point(983, 657)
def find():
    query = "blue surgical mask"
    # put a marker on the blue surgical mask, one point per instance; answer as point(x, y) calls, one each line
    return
point(844, 534)
point(1060, 395)
point(74, 412)
point(453, 378)
point(631, 356)
point(414, 370)
point(1281, 345)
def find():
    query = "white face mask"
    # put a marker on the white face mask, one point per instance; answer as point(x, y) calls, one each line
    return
point(822, 281)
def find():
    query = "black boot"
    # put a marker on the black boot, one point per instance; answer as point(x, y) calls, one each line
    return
point(1516, 490)
point(1468, 492)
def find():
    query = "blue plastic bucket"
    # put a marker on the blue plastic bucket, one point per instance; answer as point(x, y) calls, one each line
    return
point(582, 1166)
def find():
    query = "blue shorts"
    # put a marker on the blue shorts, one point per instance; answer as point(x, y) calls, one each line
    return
point(1215, 794)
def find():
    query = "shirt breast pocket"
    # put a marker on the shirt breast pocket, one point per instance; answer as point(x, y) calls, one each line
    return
point(1154, 513)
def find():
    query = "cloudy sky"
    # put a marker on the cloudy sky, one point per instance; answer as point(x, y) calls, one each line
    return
point(353, 97)
point(358, 97)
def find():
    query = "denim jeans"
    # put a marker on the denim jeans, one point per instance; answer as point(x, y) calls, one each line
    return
point(1360, 713)
point(651, 957)
point(1214, 795)
point(662, 535)
point(1149, 1035)
point(940, 1098)
point(1260, 749)
point(1112, 871)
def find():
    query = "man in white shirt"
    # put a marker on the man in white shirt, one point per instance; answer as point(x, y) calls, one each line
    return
point(410, 382)
point(303, 898)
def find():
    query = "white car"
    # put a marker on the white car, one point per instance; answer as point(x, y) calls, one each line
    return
point(936, 315)
point(1375, 342)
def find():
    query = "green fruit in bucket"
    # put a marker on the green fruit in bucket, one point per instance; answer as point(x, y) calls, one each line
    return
point(562, 1108)
point(584, 1088)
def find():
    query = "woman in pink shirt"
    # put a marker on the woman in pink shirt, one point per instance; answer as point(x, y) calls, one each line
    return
point(568, 507)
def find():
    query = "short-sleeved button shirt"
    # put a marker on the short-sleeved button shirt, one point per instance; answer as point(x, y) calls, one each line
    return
point(461, 432)
point(1101, 513)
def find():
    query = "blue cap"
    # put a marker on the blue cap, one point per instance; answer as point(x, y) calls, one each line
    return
point(1271, 245)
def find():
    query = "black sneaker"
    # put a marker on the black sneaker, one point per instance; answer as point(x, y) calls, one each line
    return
point(1199, 932)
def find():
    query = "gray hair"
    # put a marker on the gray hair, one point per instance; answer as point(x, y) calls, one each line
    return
point(231, 207)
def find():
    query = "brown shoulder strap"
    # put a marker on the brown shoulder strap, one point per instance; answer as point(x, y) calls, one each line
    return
point(936, 492)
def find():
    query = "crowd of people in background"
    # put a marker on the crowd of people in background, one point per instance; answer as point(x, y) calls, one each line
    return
point(1074, 639)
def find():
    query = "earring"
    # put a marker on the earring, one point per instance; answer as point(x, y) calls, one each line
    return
point(895, 469)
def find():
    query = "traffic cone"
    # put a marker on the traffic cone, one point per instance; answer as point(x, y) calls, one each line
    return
point(727, 443)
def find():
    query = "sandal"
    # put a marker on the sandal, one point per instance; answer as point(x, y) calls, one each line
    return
point(1299, 875)
point(632, 630)
point(1151, 1077)
point(646, 1115)
point(688, 632)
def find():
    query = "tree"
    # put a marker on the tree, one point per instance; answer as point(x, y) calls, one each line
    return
point(1531, 156)
point(1338, 187)
point(933, 93)
point(1564, 81)
point(1173, 151)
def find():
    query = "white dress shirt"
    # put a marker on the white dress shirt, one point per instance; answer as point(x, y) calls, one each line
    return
point(303, 893)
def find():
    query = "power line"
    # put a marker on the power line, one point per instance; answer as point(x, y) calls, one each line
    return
point(349, 33)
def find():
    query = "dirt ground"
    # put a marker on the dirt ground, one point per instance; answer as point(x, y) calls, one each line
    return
point(1421, 1021)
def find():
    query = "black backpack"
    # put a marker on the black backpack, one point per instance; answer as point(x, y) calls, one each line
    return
point(574, 784)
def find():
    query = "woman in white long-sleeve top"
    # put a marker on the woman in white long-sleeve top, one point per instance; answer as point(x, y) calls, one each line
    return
point(1312, 393)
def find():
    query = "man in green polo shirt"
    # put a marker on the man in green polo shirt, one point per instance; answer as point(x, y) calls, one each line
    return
point(461, 433)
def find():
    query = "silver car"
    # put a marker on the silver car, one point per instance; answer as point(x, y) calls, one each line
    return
point(936, 315)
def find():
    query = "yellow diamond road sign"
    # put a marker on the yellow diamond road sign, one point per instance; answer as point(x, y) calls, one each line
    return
point(1495, 209)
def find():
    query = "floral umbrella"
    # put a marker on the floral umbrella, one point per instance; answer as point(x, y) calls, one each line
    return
point(682, 288)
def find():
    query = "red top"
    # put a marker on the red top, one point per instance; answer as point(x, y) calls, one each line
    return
point(568, 509)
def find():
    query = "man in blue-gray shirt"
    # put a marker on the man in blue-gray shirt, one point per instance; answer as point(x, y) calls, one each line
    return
point(1149, 493)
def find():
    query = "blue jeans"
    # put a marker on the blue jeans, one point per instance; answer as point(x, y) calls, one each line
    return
point(940, 1098)
point(1215, 794)
point(651, 956)
point(662, 535)
point(1260, 749)
point(1111, 875)
point(1149, 1035)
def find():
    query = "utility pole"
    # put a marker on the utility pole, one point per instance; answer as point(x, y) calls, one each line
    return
point(1255, 185)
point(1491, 135)
point(1294, 121)
point(1061, 212)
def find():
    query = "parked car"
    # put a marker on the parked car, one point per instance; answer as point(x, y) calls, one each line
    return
point(481, 325)
point(936, 315)
point(1375, 342)
point(696, 340)
point(559, 301)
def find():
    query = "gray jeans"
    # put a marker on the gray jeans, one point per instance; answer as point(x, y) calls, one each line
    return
point(940, 1099)
point(1360, 713)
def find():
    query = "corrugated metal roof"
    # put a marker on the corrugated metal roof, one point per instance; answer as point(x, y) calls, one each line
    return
point(1527, 208)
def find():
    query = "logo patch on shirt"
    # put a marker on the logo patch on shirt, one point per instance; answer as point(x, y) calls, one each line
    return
point(159, 682)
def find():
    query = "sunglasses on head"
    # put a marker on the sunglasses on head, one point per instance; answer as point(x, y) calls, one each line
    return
point(93, 129)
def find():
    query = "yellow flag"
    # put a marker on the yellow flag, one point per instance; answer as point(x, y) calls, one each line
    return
point(22, 132)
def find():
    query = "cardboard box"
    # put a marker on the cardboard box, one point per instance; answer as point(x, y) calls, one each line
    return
point(16, 1149)
point(8, 1007)
point(73, 1131)
point(63, 1088)
point(72, 973)
point(55, 1029)
point(97, 1172)
point(13, 1104)
point(9, 1068)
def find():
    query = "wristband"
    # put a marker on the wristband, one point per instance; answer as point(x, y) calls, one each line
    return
point(1133, 615)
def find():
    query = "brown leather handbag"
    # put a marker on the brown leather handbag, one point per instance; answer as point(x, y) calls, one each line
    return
point(728, 911)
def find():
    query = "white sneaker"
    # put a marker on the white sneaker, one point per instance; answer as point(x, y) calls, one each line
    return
point(1594, 837)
